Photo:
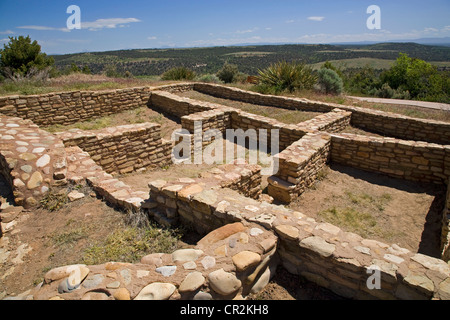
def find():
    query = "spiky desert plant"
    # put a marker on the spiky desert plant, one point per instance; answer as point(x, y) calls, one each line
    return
point(283, 76)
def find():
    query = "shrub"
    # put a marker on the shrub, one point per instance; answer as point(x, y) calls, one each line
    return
point(180, 73)
point(209, 78)
point(111, 71)
point(330, 82)
point(421, 79)
point(228, 73)
point(21, 58)
point(284, 76)
point(385, 92)
point(86, 70)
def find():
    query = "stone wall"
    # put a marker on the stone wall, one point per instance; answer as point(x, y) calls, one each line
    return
point(299, 166)
point(229, 263)
point(123, 149)
point(261, 99)
point(331, 122)
point(210, 120)
point(176, 105)
point(70, 107)
point(191, 201)
point(288, 134)
point(240, 256)
point(445, 238)
point(409, 160)
point(84, 171)
point(385, 123)
point(401, 127)
point(31, 160)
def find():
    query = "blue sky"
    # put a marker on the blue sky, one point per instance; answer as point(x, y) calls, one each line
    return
point(133, 24)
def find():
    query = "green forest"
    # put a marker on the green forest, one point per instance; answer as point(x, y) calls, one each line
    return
point(386, 70)
point(248, 59)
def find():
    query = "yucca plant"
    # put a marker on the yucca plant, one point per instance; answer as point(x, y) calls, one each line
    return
point(283, 76)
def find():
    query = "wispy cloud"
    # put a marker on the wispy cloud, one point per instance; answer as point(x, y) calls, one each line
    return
point(247, 31)
point(152, 38)
point(430, 30)
point(383, 35)
point(96, 25)
point(7, 32)
point(290, 21)
point(107, 23)
point(43, 28)
point(316, 18)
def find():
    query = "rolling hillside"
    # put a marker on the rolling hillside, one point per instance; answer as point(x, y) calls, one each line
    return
point(148, 62)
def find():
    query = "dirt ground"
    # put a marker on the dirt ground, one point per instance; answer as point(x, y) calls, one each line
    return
point(42, 240)
point(377, 207)
point(139, 181)
point(283, 115)
point(140, 115)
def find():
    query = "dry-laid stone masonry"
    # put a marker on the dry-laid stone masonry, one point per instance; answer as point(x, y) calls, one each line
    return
point(445, 237)
point(384, 123)
point(409, 160)
point(234, 260)
point(229, 263)
point(299, 166)
point(247, 236)
point(123, 149)
point(32, 160)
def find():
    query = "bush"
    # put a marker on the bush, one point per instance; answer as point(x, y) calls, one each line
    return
point(111, 71)
point(330, 82)
point(86, 70)
point(363, 80)
point(21, 58)
point(209, 78)
point(228, 73)
point(284, 76)
point(180, 73)
point(421, 79)
point(385, 92)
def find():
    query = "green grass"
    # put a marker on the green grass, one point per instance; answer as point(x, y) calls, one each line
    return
point(369, 201)
point(359, 214)
point(73, 235)
point(54, 200)
point(134, 116)
point(350, 219)
point(131, 244)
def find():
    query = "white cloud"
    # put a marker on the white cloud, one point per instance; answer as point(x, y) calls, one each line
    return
point(43, 28)
point(92, 26)
point(430, 30)
point(290, 21)
point(152, 38)
point(316, 18)
point(107, 23)
point(247, 31)
point(7, 32)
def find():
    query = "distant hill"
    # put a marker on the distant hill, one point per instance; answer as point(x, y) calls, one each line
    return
point(249, 59)
point(425, 41)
